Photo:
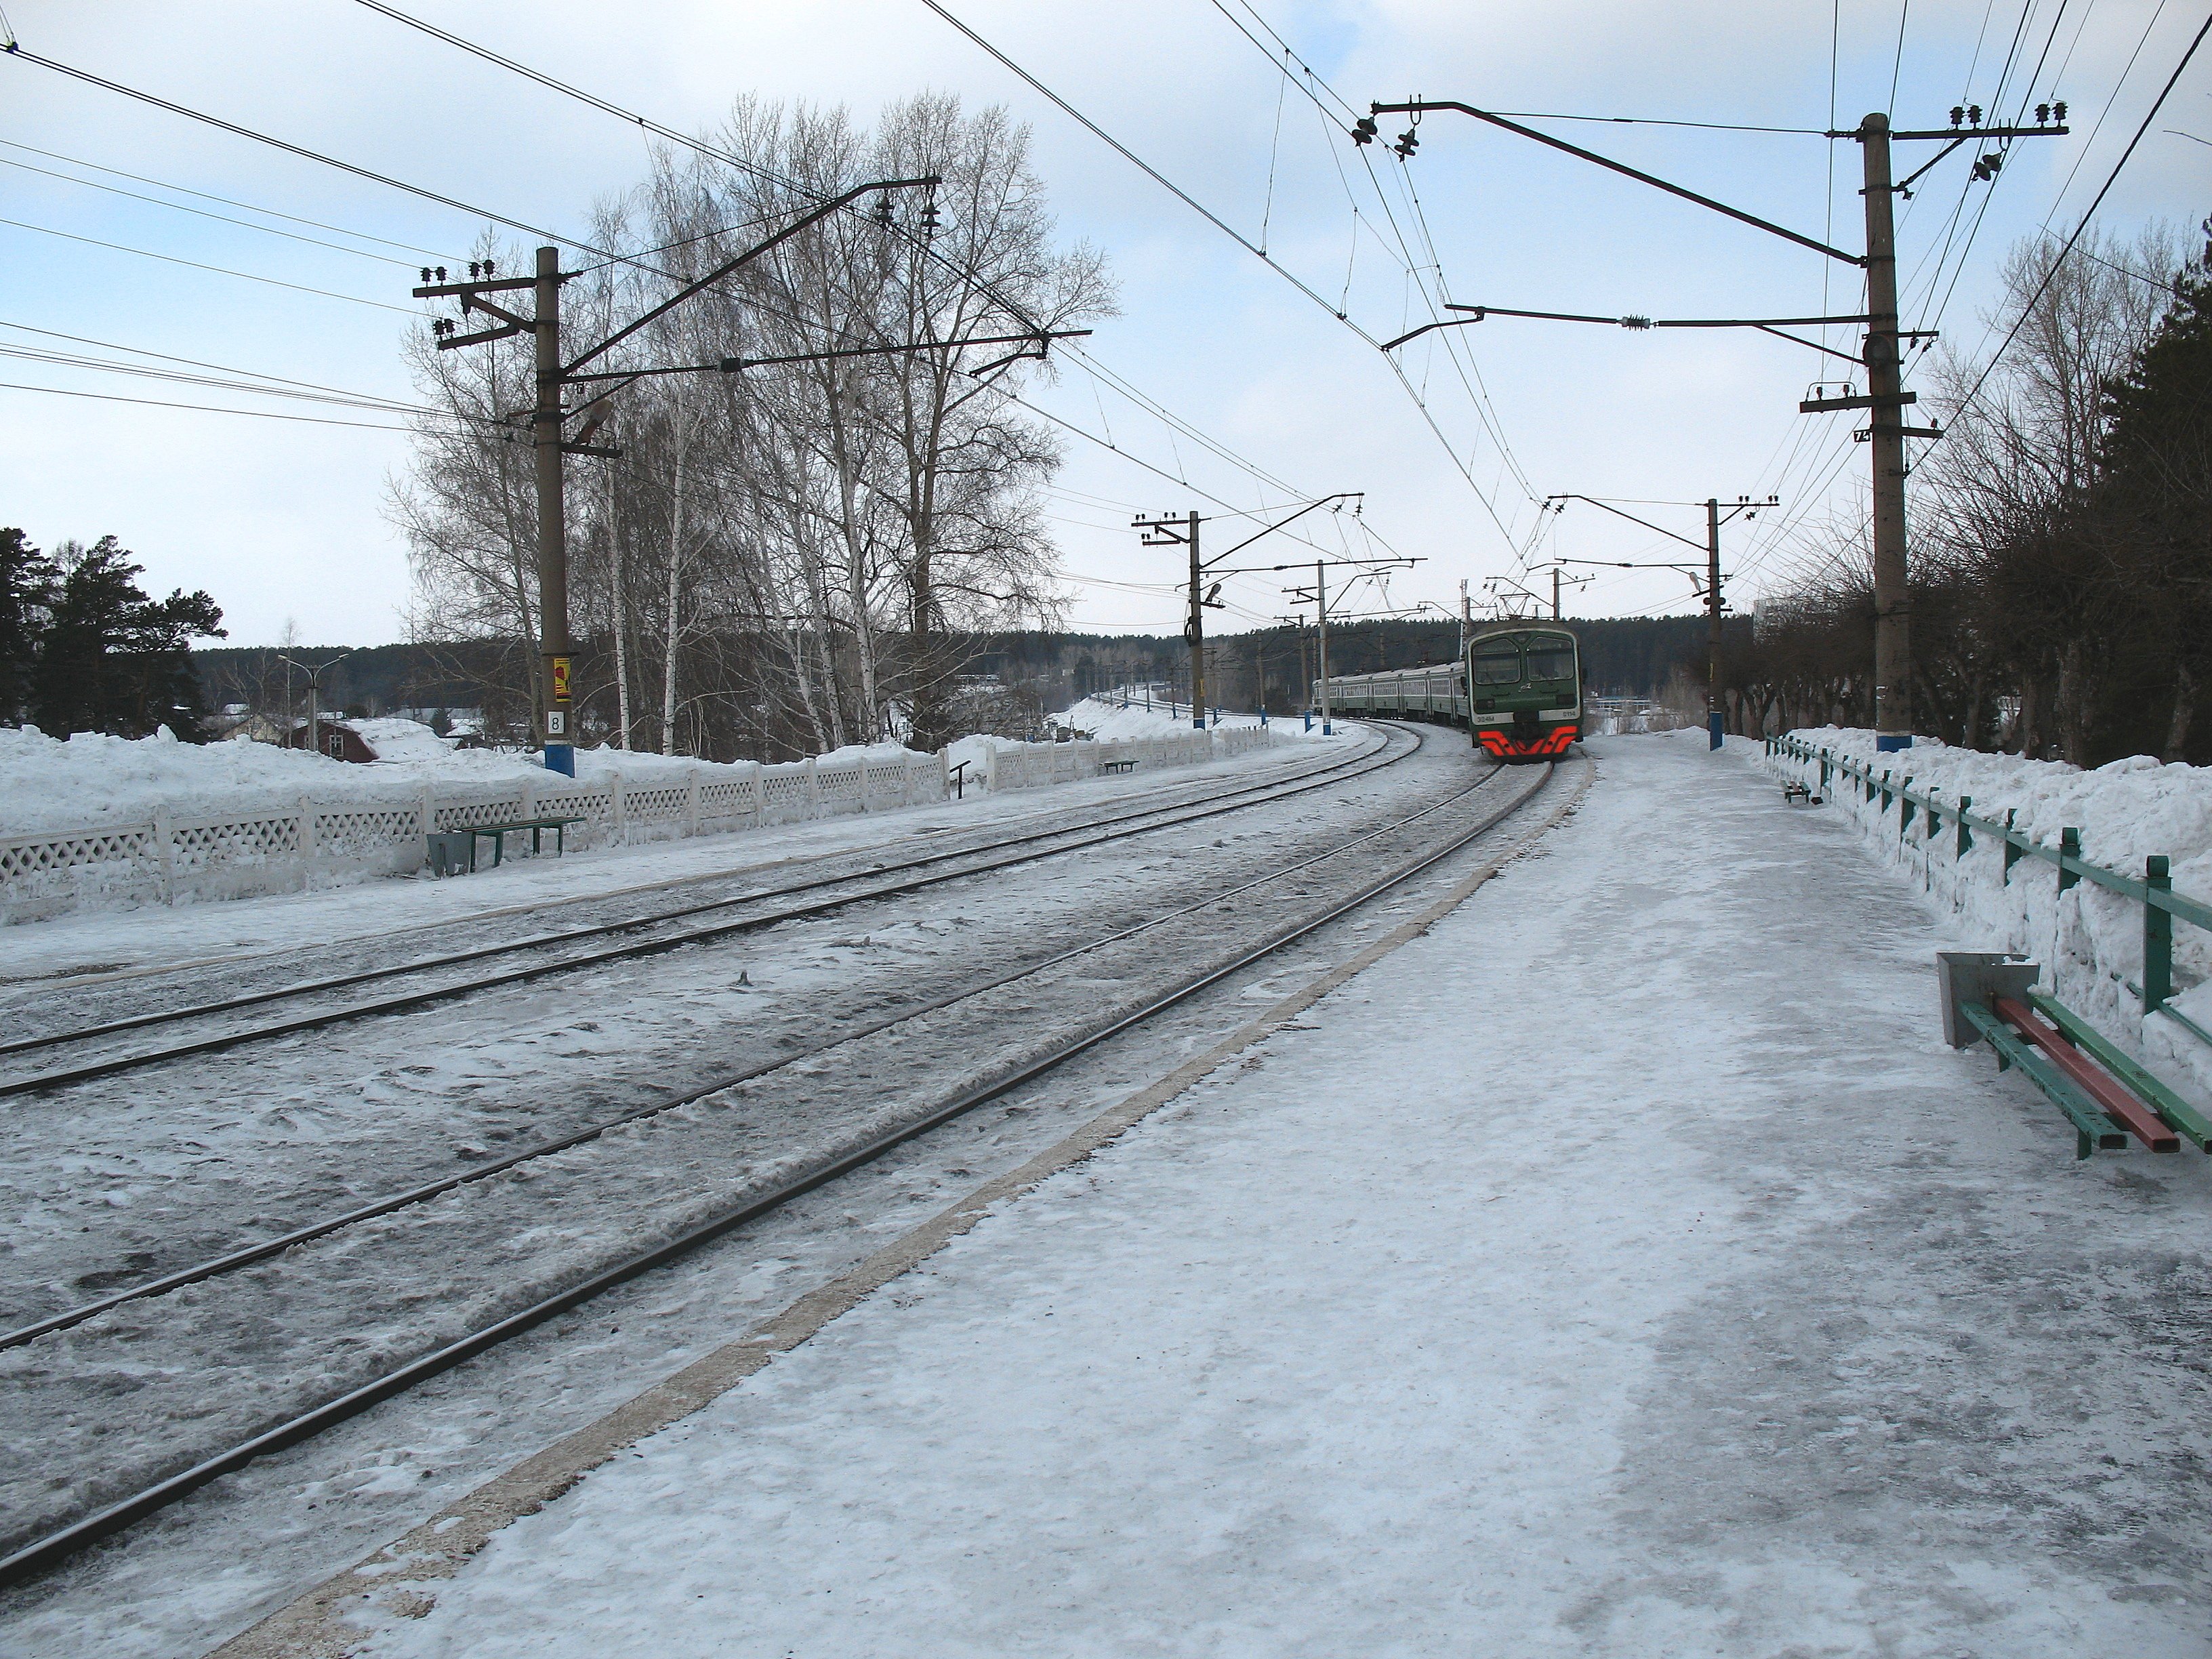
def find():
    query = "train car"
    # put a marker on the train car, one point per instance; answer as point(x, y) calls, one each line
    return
point(1526, 681)
point(1518, 691)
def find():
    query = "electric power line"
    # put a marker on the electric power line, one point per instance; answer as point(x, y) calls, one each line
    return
point(220, 271)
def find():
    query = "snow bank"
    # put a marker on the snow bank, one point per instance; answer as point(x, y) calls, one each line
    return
point(2089, 939)
point(1106, 719)
point(89, 781)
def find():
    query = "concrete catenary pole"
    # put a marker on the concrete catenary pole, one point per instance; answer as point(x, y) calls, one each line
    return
point(1893, 615)
point(1194, 632)
point(1715, 694)
point(1321, 606)
point(558, 731)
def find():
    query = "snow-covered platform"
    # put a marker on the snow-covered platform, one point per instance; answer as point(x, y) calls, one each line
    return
point(1623, 1267)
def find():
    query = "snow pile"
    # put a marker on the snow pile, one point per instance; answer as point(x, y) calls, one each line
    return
point(93, 782)
point(89, 781)
point(396, 739)
point(1105, 719)
point(2089, 938)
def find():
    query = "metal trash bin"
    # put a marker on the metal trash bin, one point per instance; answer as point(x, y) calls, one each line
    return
point(452, 852)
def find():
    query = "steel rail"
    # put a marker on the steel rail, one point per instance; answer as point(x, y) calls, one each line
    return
point(342, 982)
point(33, 1559)
point(247, 1256)
point(1169, 818)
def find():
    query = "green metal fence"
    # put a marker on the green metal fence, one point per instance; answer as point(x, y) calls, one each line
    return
point(2153, 889)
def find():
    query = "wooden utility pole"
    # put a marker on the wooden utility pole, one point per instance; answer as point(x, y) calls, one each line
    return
point(558, 733)
point(1715, 705)
point(1321, 603)
point(1886, 397)
point(1194, 632)
point(1893, 604)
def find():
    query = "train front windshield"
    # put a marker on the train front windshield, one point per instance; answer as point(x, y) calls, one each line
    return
point(1550, 660)
point(1492, 666)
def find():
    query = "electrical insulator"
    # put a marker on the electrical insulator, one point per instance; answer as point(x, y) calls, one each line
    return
point(1974, 114)
point(2043, 115)
point(426, 275)
point(1636, 322)
point(441, 273)
point(1958, 113)
point(2058, 110)
point(882, 210)
point(487, 267)
point(929, 218)
point(1408, 142)
point(1363, 130)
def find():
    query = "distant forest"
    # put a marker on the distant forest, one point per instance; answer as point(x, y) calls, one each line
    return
point(1014, 679)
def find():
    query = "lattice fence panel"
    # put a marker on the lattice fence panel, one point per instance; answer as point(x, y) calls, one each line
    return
point(729, 798)
point(662, 806)
point(470, 814)
point(838, 784)
point(593, 803)
point(199, 846)
point(365, 831)
point(784, 789)
point(25, 857)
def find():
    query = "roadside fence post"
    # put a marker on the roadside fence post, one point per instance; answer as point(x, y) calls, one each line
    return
point(2012, 847)
point(1966, 842)
point(2158, 935)
point(165, 850)
point(2069, 846)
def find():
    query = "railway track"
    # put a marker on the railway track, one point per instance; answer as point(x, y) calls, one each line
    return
point(931, 869)
point(676, 1227)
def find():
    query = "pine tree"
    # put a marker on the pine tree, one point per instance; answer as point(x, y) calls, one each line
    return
point(112, 659)
point(27, 598)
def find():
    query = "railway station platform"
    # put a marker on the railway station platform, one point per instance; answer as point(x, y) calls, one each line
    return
point(1624, 1266)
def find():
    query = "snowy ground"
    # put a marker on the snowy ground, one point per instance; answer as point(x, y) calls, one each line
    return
point(353, 1113)
point(115, 1180)
point(2088, 941)
point(97, 945)
point(1624, 1268)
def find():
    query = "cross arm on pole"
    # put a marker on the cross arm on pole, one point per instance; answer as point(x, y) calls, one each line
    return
point(738, 365)
point(1773, 325)
point(1632, 518)
point(1421, 105)
point(814, 217)
point(1341, 495)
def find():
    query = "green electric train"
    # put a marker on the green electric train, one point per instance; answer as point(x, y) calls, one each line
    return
point(1518, 691)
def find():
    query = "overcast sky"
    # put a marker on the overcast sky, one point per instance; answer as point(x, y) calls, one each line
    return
point(284, 521)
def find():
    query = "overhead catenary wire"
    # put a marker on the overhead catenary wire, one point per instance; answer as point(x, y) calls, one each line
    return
point(673, 135)
point(208, 409)
point(304, 152)
point(17, 53)
point(2052, 269)
point(1214, 219)
point(228, 201)
point(220, 271)
point(224, 218)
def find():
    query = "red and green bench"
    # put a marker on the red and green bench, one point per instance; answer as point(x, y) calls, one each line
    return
point(2105, 1092)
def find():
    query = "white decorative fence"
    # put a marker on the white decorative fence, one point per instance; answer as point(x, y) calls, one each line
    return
point(272, 849)
point(278, 849)
point(1009, 766)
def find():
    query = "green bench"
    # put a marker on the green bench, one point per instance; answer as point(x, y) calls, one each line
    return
point(2104, 1093)
point(537, 827)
